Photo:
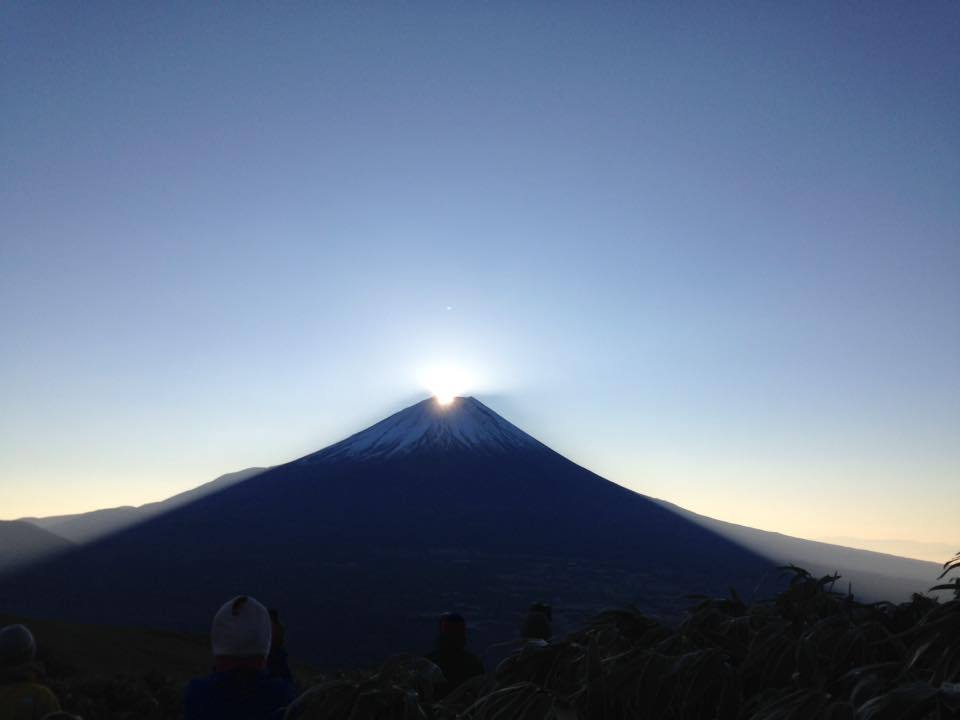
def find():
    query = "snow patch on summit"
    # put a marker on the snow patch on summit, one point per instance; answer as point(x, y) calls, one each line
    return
point(464, 424)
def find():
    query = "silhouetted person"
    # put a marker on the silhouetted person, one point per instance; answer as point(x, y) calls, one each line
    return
point(535, 631)
point(536, 628)
point(22, 696)
point(240, 688)
point(277, 665)
point(451, 655)
point(543, 609)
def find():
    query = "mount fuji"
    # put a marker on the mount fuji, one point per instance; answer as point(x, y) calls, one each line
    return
point(362, 544)
point(429, 428)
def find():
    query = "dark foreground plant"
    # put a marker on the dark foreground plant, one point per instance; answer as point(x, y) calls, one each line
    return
point(810, 653)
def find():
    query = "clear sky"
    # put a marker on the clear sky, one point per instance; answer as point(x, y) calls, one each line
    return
point(709, 250)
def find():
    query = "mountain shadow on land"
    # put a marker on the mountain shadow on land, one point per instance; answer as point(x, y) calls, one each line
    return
point(22, 543)
point(362, 545)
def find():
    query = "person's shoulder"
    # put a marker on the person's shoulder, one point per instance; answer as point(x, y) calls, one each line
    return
point(39, 696)
point(199, 692)
point(45, 699)
point(42, 690)
point(200, 684)
point(25, 687)
point(267, 680)
point(276, 687)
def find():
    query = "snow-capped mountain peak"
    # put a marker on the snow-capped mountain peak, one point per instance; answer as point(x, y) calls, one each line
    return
point(463, 424)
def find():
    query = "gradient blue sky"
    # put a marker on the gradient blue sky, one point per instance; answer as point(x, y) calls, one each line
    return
point(709, 250)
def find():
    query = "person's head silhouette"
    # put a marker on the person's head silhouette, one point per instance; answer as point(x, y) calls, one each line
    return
point(452, 634)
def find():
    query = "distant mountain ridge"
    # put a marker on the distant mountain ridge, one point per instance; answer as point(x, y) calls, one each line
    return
point(89, 526)
point(936, 552)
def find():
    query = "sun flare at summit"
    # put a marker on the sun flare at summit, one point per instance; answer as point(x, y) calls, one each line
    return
point(445, 383)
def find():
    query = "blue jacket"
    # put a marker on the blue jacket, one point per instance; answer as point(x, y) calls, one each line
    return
point(241, 694)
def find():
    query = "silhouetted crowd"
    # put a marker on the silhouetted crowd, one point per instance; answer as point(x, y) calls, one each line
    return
point(251, 677)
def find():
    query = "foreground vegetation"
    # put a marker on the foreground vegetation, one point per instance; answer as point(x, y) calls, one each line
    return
point(810, 653)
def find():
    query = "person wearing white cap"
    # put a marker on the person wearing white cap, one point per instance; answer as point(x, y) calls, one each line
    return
point(21, 696)
point(239, 687)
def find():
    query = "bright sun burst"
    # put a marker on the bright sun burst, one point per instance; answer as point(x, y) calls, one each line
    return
point(445, 383)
